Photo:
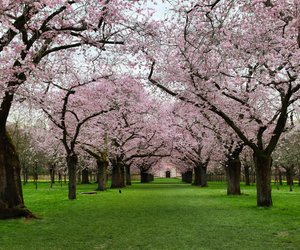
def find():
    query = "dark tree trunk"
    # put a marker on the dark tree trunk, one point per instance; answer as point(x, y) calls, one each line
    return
point(11, 197)
point(187, 176)
point(52, 174)
point(118, 175)
point(25, 174)
point(60, 178)
point(247, 175)
point(183, 177)
point(263, 163)
point(280, 177)
point(200, 176)
point(299, 176)
point(197, 176)
point(151, 177)
point(145, 176)
point(35, 175)
point(85, 176)
point(72, 161)
point(276, 181)
point(101, 174)
point(233, 174)
point(289, 176)
point(203, 176)
point(128, 175)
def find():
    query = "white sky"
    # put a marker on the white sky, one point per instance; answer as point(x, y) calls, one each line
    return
point(160, 8)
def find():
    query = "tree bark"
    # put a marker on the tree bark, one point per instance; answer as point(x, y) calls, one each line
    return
point(299, 176)
point(263, 163)
point(233, 174)
point(145, 176)
point(72, 161)
point(197, 176)
point(289, 176)
point(118, 175)
point(101, 174)
point(200, 177)
point(187, 176)
point(203, 176)
point(128, 175)
point(25, 174)
point(52, 174)
point(85, 176)
point(247, 175)
point(280, 177)
point(11, 197)
point(60, 178)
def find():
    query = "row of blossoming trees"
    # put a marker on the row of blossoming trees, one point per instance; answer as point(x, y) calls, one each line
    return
point(228, 72)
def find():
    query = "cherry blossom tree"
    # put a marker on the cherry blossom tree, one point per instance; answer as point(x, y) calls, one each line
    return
point(140, 133)
point(194, 144)
point(286, 156)
point(238, 60)
point(99, 151)
point(247, 162)
point(80, 103)
point(32, 33)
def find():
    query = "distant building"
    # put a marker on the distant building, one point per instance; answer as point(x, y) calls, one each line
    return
point(167, 170)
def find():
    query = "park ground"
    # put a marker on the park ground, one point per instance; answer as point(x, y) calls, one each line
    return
point(165, 214)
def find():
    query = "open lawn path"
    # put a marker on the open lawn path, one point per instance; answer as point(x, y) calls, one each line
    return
point(165, 214)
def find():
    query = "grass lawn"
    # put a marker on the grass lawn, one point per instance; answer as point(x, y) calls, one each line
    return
point(165, 214)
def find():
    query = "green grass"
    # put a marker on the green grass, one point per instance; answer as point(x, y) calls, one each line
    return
point(162, 215)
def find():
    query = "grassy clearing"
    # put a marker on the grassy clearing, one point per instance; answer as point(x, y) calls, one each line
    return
point(162, 215)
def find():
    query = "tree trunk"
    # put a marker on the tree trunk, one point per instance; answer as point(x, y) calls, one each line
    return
point(187, 176)
point(289, 176)
point(85, 176)
point(25, 174)
point(52, 174)
point(233, 174)
point(11, 197)
point(101, 175)
point(151, 177)
point(200, 177)
point(146, 177)
point(299, 176)
point(280, 177)
point(118, 175)
point(197, 176)
point(203, 176)
point(128, 175)
point(60, 178)
point(263, 163)
point(247, 175)
point(72, 161)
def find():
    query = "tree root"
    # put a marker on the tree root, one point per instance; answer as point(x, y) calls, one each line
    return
point(16, 212)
